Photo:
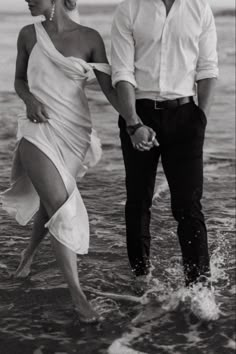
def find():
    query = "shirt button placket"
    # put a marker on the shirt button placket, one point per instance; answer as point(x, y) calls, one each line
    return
point(163, 53)
point(163, 61)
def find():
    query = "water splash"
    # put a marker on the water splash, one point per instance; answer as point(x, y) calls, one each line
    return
point(122, 345)
point(219, 259)
point(203, 304)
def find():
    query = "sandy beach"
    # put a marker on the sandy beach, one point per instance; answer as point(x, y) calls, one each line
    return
point(36, 316)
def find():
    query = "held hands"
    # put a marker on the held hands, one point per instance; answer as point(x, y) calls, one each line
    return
point(36, 111)
point(144, 138)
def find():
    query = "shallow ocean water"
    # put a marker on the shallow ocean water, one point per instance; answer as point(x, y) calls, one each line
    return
point(36, 315)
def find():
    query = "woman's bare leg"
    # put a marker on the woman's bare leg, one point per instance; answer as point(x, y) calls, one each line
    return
point(38, 234)
point(51, 189)
point(67, 261)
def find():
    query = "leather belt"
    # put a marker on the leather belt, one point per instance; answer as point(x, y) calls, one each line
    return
point(168, 104)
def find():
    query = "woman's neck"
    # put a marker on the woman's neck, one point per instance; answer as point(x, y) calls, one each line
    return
point(60, 21)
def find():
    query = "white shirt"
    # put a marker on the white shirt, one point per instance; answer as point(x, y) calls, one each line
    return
point(163, 56)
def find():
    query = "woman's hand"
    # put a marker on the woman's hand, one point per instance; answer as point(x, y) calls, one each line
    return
point(36, 111)
point(144, 139)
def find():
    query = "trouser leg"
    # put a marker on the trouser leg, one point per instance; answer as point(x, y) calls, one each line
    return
point(182, 159)
point(140, 170)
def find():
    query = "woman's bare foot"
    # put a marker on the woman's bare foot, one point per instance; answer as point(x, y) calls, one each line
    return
point(24, 267)
point(85, 311)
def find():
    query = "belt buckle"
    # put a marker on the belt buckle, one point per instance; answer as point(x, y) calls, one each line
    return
point(156, 105)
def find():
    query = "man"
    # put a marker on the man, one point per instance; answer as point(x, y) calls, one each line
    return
point(163, 54)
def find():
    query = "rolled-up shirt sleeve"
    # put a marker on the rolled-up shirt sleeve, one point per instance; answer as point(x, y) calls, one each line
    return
point(207, 65)
point(122, 47)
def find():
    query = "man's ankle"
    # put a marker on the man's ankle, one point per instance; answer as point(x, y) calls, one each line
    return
point(202, 282)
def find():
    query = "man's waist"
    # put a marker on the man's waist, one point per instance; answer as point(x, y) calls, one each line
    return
point(166, 104)
point(170, 94)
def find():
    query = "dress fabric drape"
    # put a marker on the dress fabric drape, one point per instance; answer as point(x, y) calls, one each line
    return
point(67, 139)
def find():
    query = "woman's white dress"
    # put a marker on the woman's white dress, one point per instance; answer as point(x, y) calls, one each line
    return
point(67, 139)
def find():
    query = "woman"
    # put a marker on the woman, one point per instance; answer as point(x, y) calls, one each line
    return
point(56, 143)
point(55, 135)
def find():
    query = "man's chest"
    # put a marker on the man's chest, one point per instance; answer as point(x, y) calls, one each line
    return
point(151, 25)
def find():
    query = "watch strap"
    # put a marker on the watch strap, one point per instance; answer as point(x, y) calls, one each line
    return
point(131, 129)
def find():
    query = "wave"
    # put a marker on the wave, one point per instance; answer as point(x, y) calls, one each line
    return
point(107, 9)
point(224, 13)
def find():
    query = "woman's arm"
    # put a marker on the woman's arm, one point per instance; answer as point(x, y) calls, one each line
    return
point(122, 102)
point(104, 80)
point(124, 107)
point(35, 109)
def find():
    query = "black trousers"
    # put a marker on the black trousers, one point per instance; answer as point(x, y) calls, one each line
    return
point(180, 133)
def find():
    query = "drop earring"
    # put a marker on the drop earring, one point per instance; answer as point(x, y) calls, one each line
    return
point(52, 11)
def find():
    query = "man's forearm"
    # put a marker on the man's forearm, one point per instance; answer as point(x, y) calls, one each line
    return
point(205, 92)
point(127, 102)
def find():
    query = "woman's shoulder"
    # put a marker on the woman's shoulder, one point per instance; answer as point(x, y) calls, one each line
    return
point(27, 38)
point(91, 35)
point(89, 31)
point(27, 30)
point(27, 33)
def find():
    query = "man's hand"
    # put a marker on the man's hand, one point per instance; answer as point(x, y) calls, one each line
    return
point(36, 111)
point(144, 138)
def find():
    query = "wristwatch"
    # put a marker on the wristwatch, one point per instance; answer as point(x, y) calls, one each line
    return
point(131, 129)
